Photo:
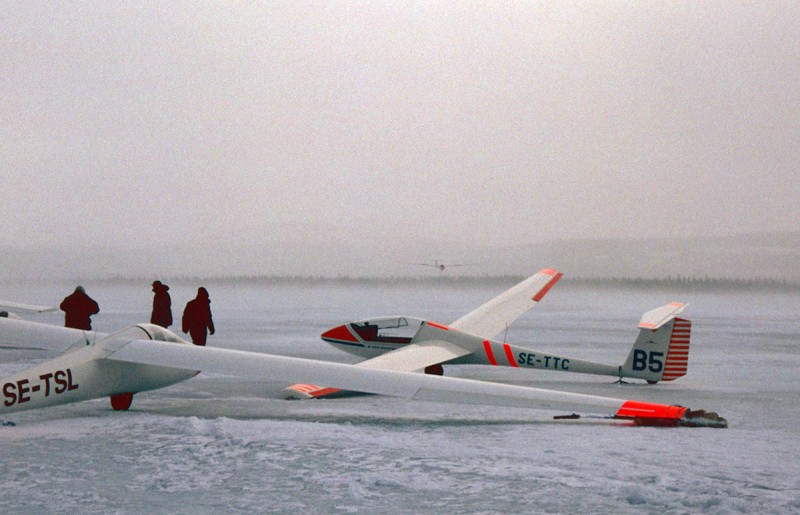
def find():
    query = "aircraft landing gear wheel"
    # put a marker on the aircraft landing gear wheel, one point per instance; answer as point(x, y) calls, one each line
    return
point(652, 382)
point(435, 370)
point(121, 401)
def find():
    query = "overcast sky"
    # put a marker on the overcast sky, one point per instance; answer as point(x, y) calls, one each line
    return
point(129, 123)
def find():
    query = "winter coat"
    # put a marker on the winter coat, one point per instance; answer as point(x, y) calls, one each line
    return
point(196, 319)
point(78, 309)
point(162, 307)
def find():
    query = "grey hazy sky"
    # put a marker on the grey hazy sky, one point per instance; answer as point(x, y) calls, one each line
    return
point(509, 122)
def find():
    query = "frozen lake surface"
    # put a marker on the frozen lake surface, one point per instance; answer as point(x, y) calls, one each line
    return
point(217, 444)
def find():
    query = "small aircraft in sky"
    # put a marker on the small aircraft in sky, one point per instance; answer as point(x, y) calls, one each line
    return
point(659, 353)
point(146, 357)
point(439, 264)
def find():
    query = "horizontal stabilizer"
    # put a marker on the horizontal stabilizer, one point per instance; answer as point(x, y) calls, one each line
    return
point(660, 316)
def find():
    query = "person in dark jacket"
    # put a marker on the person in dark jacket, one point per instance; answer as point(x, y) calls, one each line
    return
point(162, 305)
point(197, 317)
point(78, 309)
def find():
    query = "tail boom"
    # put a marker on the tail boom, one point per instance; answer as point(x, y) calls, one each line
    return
point(508, 355)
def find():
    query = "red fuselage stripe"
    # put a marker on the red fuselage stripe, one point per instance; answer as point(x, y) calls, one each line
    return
point(489, 354)
point(510, 355)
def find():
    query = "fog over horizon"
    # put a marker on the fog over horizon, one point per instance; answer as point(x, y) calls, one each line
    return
point(769, 258)
point(357, 135)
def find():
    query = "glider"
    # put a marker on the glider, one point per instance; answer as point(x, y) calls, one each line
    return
point(660, 352)
point(438, 264)
point(146, 357)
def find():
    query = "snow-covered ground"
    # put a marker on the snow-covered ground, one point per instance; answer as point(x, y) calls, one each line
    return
point(217, 444)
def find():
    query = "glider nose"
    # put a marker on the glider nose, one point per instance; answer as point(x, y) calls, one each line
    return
point(340, 333)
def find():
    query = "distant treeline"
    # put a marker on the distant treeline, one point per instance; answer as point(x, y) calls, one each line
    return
point(685, 283)
point(691, 283)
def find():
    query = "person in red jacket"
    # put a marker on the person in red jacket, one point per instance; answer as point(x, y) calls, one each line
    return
point(197, 317)
point(78, 309)
point(162, 305)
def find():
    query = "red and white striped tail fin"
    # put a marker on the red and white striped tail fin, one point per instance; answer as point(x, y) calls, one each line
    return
point(308, 391)
point(661, 351)
point(677, 361)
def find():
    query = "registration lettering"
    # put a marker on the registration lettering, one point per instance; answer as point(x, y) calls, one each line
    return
point(51, 383)
point(548, 362)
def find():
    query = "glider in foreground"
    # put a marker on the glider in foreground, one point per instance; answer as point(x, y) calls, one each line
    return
point(660, 352)
point(147, 357)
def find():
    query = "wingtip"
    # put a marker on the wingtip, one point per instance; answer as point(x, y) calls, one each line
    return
point(556, 275)
point(308, 391)
point(663, 415)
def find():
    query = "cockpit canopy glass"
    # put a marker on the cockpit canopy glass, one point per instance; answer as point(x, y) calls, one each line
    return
point(390, 329)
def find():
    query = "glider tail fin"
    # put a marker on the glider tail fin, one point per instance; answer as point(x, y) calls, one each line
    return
point(678, 354)
point(661, 351)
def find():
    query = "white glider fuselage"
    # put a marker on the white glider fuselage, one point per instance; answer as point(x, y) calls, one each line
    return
point(375, 337)
point(82, 372)
point(660, 352)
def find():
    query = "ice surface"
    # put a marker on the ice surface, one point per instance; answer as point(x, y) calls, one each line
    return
point(216, 444)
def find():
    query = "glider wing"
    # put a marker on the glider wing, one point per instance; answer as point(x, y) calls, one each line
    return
point(26, 308)
point(391, 382)
point(21, 334)
point(493, 317)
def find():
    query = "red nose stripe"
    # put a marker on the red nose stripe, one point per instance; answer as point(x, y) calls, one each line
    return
point(341, 333)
